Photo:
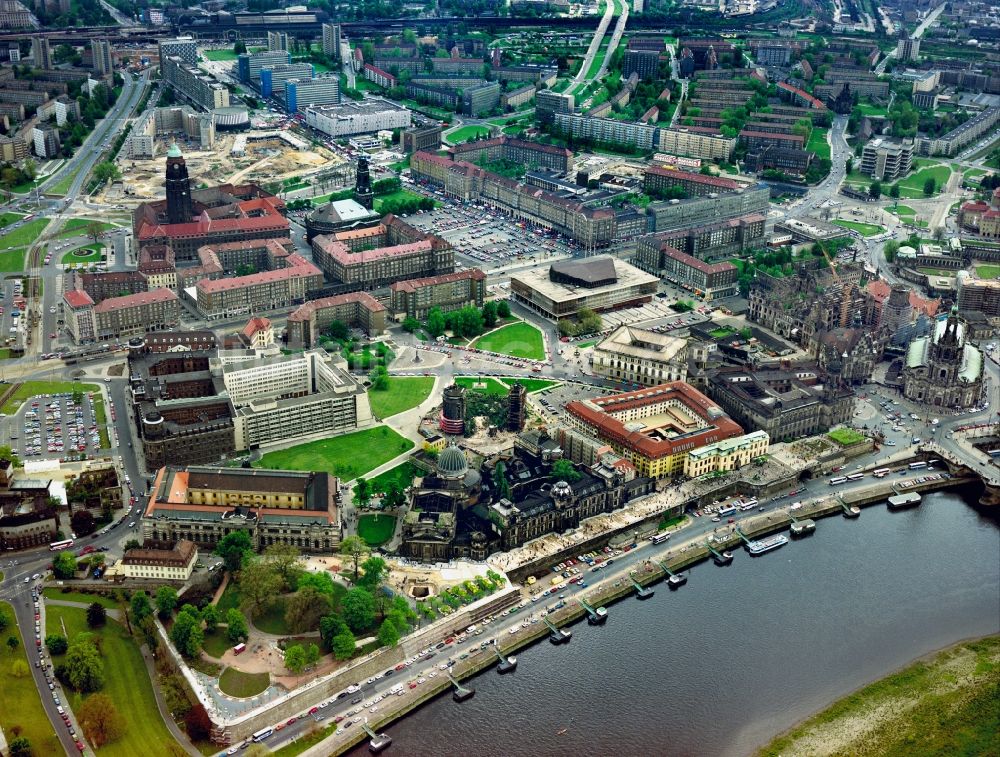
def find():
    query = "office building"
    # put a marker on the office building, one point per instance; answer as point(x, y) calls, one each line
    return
point(331, 40)
point(258, 292)
point(413, 298)
point(421, 138)
point(654, 428)
point(638, 356)
point(13, 15)
point(887, 159)
point(249, 65)
point(191, 83)
point(175, 564)
point(184, 48)
point(481, 99)
point(277, 42)
point(203, 504)
point(727, 455)
point(360, 310)
point(363, 117)
point(706, 242)
point(645, 63)
point(381, 266)
point(100, 51)
point(657, 179)
point(548, 104)
point(41, 53)
point(301, 94)
point(274, 79)
point(597, 283)
point(977, 295)
point(530, 154)
point(117, 317)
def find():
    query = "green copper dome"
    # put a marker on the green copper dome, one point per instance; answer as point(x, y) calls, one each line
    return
point(174, 151)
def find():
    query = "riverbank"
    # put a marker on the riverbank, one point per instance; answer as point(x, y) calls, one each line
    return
point(944, 703)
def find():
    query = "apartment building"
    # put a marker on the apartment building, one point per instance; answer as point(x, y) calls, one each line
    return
point(277, 41)
point(306, 323)
point(755, 140)
point(727, 455)
point(961, 136)
point(188, 81)
point(100, 52)
point(332, 40)
point(799, 97)
point(645, 63)
point(258, 292)
point(706, 242)
point(363, 117)
point(704, 211)
point(379, 267)
point(578, 126)
point(696, 142)
point(887, 159)
point(481, 99)
point(413, 298)
point(301, 94)
point(13, 15)
point(548, 104)
point(979, 295)
point(659, 178)
point(175, 564)
point(184, 48)
point(530, 154)
point(638, 356)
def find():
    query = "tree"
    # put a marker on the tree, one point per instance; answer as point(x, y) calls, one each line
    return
point(435, 322)
point(84, 666)
point(186, 633)
point(20, 747)
point(12, 644)
point(929, 186)
point(410, 324)
point(232, 548)
point(354, 547)
point(489, 314)
point(210, 617)
point(140, 607)
point(4, 619)
point(105, 172)
point(7, 454)
point(240, 47)
point(394, 497)
point(875, 190)
point(260, 583)
point(388, 633)
point(237, 626)
point(938, 233)
point(305, 608)
point(890, 250)
point(380, 379)
point(295, 658)
point(344, 645)
point(64, 566)
point(359, 609)
point(286, 560)
point(503, 309)
point(338, 330)
point(166, 601)
point(197, 723)
point(56, 644)
point(100, 720)
point(132, 544)
point(894, 191)
point(562, 469)
point(375, 569)
point(312, 654)
point(362, 492)
point(97, 616)
point(82, 523)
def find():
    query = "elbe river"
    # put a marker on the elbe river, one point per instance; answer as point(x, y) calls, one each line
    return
point(742, 652)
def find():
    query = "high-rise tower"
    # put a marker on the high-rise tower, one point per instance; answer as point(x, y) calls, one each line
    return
point(363, 185)
point(178, 187)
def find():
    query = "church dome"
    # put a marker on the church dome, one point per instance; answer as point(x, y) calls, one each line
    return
point(452, 463)
point(174, 151)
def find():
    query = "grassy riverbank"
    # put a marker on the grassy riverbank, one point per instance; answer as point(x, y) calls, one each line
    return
point(945, 703)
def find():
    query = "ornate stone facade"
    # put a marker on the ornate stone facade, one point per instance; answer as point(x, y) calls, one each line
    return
point(942, 369)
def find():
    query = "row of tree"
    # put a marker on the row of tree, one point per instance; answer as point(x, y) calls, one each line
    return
point(469, 321)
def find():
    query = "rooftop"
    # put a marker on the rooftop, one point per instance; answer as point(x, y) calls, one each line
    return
point(139, 299)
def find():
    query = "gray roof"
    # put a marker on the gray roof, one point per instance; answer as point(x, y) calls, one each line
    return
point(587, 270)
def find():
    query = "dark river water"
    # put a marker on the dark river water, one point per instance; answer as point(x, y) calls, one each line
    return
point(742, 652)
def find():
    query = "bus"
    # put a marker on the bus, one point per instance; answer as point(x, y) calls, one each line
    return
point(58, 545)
point(917, 466)
point(881, 472)
point(659, 538)
point(855, 476)
point(838, 480)
point(262, 734)
point(726, 509)
point(932, 463)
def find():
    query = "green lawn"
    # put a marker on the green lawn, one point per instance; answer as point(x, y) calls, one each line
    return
point(974, 174)
point(403, 393)
point(125, 681)
point(230, 599)
point(402, 194)
point(312, 737)
point(865, 229)
point(487, 385)
point(376, 529)
point(12, 260)
point(236, 683)
point(25, 235)
point(217, 644)
point(272, 619)
point(936, 272)
point(465, 133)
point(402, 475)
point(988, 271)
point(91, 253)
point(219, 54)
point(872, 110)
point(817, 143)
point(595, 65)
point(584, 345)
point(517, 339)
point(846, 436)
point(53, 592)
point(63, 185)
point(339, 455)
point(6, 219)
point(913, 185)
point(33, 388)
point(532, 385)
point(902, 210)
point(20, 706)
point(77, 226)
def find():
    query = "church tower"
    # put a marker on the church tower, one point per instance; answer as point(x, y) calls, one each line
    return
point(178, 187)
point(363, 185)
point(948, 349)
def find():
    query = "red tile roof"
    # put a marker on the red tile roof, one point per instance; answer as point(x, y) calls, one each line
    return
point(304, 312)
point(136, 300)
point(256, 325)
point(815, 103)
point(697, 178)
point(342, 254)
point(77, 298)
point(879, 291)
point(298, 267)
point(411, 285)
point(693, 262)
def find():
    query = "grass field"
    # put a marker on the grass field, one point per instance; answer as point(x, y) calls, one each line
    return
point(78, 596)
point(216, 644)
point(974, 174)
point(20, 705)
point(865, 229)
point(817, 143)
point(902, 211)
point(32, 388)
point(63, 185)
point(90, 253)
point(912, 186)
point(77, 226)
point(583, 345)
point(845, 436)
point(12, 260)
point(946, 273)
point(403, 393)
point(944, 705)
point(465, 133)
point(8, 218)
point(339, 455)
point(988, 271)
point(402, 194)
point(219, 54)
point(239, 684)
point(376, 530)
point(487, 385)
point(872, 110)
point(25, 235)
point(230, 599)
point(125, 681)
point(312, 737)
point(516, 339)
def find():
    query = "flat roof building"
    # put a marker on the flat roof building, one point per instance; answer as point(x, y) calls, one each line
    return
point(638, 356)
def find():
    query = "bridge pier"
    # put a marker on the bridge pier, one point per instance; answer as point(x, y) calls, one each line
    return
point(990, 496)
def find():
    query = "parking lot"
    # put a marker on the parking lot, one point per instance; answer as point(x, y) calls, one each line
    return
point(52, 426)
point(489, 240)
